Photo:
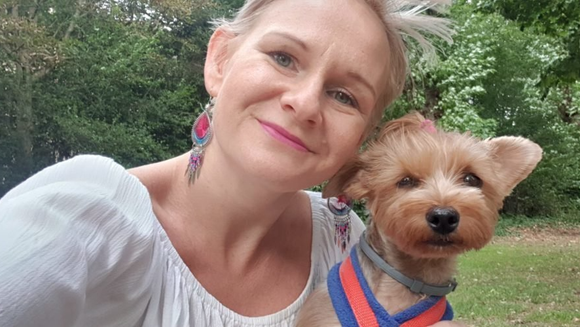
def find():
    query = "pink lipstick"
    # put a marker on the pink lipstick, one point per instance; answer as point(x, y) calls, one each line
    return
point(283, 136)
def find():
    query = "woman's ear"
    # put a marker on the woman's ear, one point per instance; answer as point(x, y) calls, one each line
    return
point(216, 60)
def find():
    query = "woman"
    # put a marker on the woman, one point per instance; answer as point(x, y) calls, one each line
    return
point(296, 85)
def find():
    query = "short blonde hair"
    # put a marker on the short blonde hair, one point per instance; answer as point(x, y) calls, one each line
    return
point(401, 18)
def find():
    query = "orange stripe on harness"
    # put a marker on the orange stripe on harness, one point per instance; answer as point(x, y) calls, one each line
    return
point(358, 302)
point(429, 317)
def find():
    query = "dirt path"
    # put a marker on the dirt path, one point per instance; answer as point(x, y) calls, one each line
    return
point(559, 236)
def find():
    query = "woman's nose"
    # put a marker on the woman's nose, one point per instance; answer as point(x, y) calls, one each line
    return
point(304, 100)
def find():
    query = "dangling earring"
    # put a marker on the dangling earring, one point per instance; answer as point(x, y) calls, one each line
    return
point(201, 133)
point(340, 208)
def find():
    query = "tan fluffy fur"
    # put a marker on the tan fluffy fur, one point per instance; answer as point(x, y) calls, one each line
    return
point(398, 230)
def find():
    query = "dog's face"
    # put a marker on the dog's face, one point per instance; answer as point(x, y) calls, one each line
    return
point(435, 194)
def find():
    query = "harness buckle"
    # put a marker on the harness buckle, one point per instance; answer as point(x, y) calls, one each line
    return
point(453, 285)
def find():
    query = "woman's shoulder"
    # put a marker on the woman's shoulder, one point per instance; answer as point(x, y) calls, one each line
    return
point(88, 187)
point(86, 206)
point(326, 247)
point(89, 171)
point(322, 215)
point(80, 225)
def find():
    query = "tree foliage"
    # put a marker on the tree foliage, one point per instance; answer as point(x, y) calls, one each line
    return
point(120, 78)
point(555, 18)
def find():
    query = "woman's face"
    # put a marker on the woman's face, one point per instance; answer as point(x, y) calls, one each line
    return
point(295, 93)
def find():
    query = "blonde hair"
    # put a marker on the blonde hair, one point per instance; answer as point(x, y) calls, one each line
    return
point(401, 19)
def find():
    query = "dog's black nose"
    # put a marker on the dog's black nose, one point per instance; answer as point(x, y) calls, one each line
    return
point(443, 220)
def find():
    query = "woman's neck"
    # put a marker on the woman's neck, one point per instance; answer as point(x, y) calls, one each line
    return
point(225, 209)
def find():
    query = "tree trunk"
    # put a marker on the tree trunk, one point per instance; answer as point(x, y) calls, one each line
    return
point(566, 105)
point(432, 98)
point(73, 22)
point(24, 121)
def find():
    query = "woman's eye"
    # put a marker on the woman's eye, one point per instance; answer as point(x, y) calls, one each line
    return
point(472, 180)
point(282, 59)
point(344, 98)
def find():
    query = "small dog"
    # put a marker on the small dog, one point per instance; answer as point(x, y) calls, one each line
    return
point(432, 195)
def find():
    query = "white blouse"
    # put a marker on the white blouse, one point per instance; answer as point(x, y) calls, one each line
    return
point(81, 246)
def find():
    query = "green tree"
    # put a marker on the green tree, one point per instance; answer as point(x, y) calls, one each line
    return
point(555, 18)
point(119, 78)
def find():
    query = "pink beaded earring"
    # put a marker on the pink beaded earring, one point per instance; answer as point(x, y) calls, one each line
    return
point(201, 133)
point(340, 208)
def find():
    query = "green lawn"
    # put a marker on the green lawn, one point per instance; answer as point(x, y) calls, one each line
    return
point(528, 279)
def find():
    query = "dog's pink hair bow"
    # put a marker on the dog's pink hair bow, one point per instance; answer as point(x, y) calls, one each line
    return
point(428, 126)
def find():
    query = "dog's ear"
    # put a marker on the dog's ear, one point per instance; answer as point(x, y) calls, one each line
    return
point(347, 181)
point(516, 158)
point(410, 122)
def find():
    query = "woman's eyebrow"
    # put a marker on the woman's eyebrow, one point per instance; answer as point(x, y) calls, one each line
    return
point(351, 74)
point(288, 36)
point(356, 76)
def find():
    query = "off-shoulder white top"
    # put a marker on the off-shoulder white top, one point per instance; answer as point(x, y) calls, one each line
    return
point(81, 246)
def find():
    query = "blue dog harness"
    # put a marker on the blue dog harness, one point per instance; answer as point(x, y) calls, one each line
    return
point(355, 304)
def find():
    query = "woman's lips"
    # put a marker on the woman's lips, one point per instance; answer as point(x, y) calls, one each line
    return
point(284, 136)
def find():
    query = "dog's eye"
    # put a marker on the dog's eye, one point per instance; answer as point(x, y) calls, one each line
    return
point(407, 182)
point(472, 180)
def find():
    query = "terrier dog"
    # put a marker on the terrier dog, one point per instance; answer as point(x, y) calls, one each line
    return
point(432, 195)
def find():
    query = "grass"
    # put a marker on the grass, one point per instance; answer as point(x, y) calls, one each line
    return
point(530, 277)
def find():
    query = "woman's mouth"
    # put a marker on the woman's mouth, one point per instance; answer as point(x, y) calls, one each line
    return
point(283, 136)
